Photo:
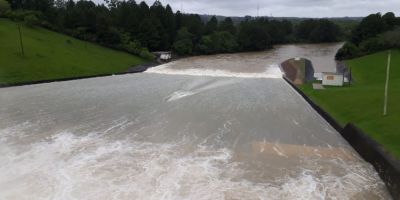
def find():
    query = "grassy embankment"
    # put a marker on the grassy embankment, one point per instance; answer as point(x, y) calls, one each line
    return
point(50, 55)
point(362, 102)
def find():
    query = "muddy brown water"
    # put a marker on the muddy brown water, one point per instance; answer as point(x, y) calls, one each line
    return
point(209, 127)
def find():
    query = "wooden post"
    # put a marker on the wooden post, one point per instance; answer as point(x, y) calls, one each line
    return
point(387, 85)
point(20, 40)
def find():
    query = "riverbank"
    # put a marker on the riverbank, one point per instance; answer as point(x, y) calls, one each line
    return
point(378, 140)
point(136, 69)
point(387, 166)
point(362, 102)
point(49, 56)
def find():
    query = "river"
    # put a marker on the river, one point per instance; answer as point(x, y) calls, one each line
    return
point(208, 127)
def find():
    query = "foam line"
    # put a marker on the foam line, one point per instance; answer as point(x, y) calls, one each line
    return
point(272, 71)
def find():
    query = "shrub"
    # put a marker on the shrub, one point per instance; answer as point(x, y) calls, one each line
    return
point(372, 45)
point(218, 42)
point(349, 50)
point(4, 8)
point(31, 20)
point(132, 47)
point(183, 47)
point(19, 15)
point(391, 39)
point(146, 54)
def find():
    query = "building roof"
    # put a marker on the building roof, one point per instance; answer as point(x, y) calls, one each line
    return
point(331, 73)
point(162, 52)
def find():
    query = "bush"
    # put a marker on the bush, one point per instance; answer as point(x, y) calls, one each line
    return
point(349, 50)
point(132, 47)
point(391, 39)
point(372, 45)
point(31, 20)
point(218, 42)
point(183, 47)
point(4, 8)
point(146, 54)
point(386, 40)
point(19, 15)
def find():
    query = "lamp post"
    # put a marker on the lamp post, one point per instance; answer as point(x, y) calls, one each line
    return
point(20, 40)
point(387, 85)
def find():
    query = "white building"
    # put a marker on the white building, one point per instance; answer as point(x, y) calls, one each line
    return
point(333, 79)
point(163, 55)
point(166, 56)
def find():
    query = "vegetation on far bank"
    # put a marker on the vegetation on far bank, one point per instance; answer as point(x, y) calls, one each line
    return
point(138, 28)
point(374, 33)
point(362, 102)
point(50, 55)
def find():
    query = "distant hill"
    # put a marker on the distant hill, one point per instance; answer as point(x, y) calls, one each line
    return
point(50, 55)
point(237, 19)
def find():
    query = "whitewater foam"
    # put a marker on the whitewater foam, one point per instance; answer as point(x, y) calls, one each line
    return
point(271, 71)
point(92, 166)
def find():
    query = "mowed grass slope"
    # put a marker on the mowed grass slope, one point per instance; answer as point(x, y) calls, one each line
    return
point(50, 55)
point(362, 102)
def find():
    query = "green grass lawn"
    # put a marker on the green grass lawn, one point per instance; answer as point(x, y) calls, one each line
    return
point(50, 55)
point(362, 102)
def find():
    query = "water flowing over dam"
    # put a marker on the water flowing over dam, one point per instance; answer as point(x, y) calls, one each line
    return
point(208, 127)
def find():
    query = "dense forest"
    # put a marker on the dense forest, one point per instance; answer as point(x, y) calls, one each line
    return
point(374, 33)
point(139, 28)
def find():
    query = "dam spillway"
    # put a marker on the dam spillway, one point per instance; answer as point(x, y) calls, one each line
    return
point(198, 128)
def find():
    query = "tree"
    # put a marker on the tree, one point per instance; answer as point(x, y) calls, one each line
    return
point(316, 31)
point(389, 20)
point(31, 20)
point(144, 10)
point(227, 25)
point(183, 44)
point(4, 7)
point(125, 16)
point(218, 42)
point(70, 19)
point(39, 5)
point(324, 31)
point(86, 13)
point(170, 24)
point(149, 35)
point(211, 26)
point(349, 50)
point(253, 36)
point(369, 27)
point(194, 25)
point(183, 47)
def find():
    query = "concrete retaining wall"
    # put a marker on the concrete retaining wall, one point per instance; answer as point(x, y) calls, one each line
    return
point(384, 163)
point(387, 166)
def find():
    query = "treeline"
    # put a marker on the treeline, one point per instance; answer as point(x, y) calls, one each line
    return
point(139, 28)
point(374, 33)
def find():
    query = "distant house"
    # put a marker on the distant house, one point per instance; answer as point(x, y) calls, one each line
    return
point(163, 55)
point(332, 79)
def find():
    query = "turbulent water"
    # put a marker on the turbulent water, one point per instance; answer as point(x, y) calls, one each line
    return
point(219, 127)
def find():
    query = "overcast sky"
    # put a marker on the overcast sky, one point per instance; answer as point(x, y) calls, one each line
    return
point(284, 8)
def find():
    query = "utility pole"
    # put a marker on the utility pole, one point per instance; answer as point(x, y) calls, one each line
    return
point(20, 40)
point(387, 84)
point(258, 10)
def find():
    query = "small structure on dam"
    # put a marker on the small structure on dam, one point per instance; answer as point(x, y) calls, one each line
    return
point(163, 56)
point(332, 79)
point(298, 70)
